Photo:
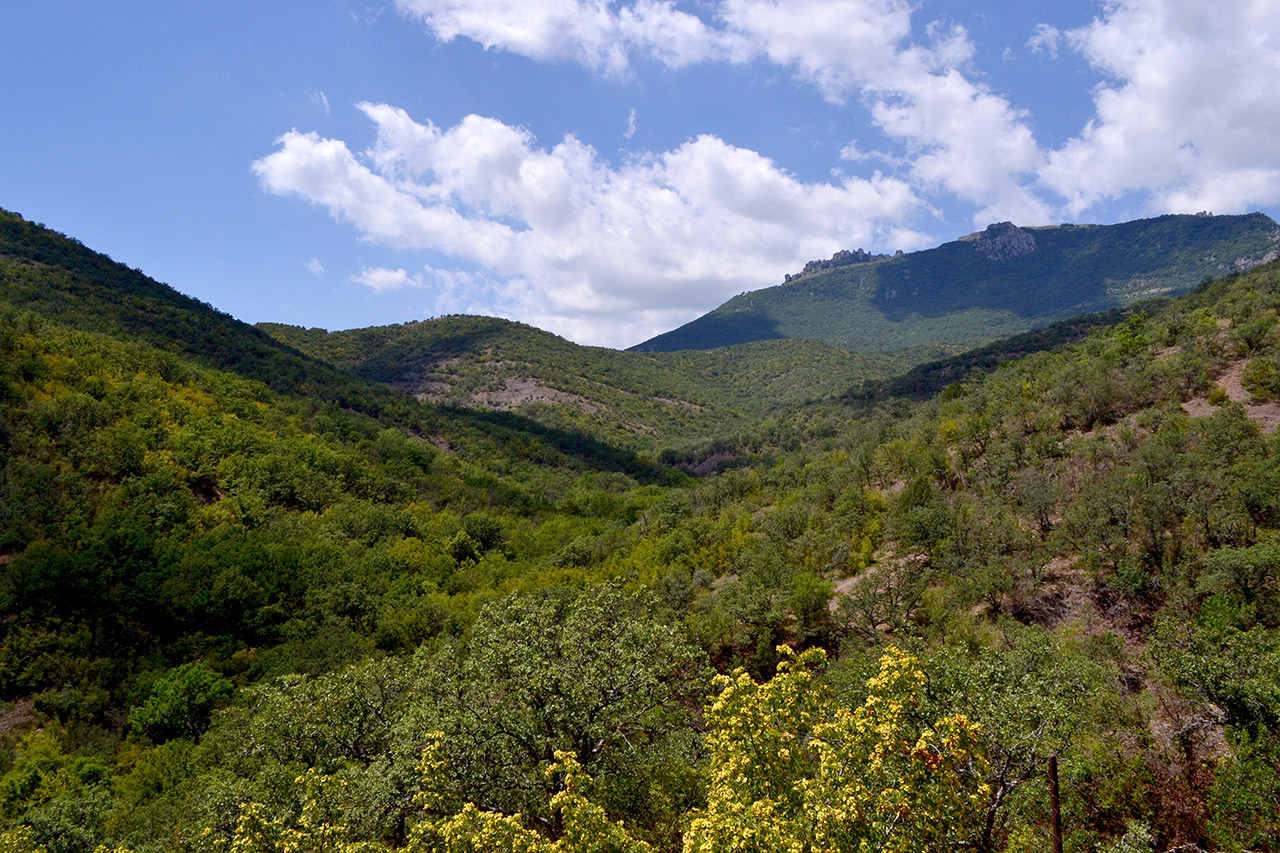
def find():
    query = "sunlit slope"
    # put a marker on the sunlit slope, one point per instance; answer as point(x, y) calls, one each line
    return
point(488, 363)
point(54, 276)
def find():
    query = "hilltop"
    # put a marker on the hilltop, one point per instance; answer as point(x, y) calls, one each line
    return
point(992, 284)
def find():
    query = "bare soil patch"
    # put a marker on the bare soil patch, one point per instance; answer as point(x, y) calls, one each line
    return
point(1266, 415)
point(516, 392)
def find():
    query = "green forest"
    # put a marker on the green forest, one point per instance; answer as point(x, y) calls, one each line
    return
point(262, 592)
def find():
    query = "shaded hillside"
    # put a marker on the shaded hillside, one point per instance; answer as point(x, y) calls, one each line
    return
point(993, 284)
point(489, 363)
point(932, 377)
point(57, 276)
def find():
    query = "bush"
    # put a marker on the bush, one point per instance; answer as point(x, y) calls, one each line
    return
point(181, 703)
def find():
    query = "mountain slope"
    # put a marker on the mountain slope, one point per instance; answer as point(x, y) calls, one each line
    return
point(484, 362)
point(57, 276)
point(54, 276)
point(996, 283)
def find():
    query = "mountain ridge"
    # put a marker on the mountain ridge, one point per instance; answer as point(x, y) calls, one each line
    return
point(997, 282)
point(491, 363)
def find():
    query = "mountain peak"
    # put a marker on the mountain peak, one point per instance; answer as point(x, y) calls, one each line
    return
point(842, 258)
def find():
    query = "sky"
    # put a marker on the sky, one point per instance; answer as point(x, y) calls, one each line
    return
point(609, 169)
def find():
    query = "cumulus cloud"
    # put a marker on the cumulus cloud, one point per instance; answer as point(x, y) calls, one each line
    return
point(1187, 115)
point(833, 43)
point(961, 135)
point(837, 45)
point(588, 31)
point(967, 141)
point(601, 253)
point(315, 267)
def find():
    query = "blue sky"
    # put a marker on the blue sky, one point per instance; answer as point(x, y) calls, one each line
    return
point(609, 170)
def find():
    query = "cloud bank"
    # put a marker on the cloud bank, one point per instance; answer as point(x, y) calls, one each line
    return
point(1188, 113)
point(602, 254)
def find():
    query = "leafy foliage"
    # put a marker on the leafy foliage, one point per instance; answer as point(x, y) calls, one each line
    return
point(181, 703)
point(791, 770)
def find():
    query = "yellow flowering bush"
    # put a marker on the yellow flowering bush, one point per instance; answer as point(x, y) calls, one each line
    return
point(790, 772)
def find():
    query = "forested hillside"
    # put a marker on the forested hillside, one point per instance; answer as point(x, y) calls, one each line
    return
point(484, 362)
point(998, 282)
point(244, 613)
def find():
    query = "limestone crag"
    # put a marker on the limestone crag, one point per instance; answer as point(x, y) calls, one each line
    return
point(1004, 240)
point(842, 258)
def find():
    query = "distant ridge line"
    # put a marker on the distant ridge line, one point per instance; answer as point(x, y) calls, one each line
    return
point(1001, 281)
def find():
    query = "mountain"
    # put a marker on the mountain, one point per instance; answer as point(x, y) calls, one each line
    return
point(992, 284)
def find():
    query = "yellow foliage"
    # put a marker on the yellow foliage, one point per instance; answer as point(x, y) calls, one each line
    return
point(19, 840)
point(790, 772)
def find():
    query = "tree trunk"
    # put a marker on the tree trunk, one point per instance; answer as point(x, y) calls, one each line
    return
point(1055, 804)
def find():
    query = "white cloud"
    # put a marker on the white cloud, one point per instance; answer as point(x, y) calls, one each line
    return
point(837, 45)
point(1188, 117)
point(674, 38)
point(963, 138)
point(587, 31)
point(853, 153)
point(959, 137)
point(968, 141)
point(1046, 39)
point(315, 267)
point(631, 124)
point(325, 172)
point(381, 279)
point(321, 100)
point(603, 254)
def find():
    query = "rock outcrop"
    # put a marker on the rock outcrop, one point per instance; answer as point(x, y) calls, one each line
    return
point(842, 258)
point(1004, 240)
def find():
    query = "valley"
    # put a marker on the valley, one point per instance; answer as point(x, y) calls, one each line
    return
point(463, 585)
